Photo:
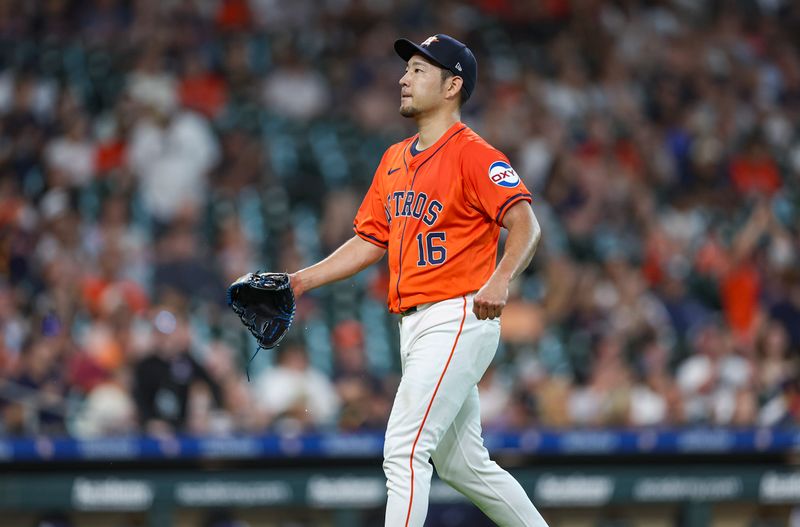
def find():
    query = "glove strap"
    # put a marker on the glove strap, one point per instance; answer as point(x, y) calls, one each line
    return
point(247, 367)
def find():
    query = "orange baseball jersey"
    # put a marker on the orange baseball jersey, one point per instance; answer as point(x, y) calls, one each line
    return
point(439, 214)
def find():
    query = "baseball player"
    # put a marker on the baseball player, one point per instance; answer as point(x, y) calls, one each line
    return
point(436, 203)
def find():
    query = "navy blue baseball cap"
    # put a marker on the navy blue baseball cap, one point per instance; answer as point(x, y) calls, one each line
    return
point(446, 52)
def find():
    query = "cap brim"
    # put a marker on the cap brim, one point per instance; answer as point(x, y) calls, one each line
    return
point(407, 49)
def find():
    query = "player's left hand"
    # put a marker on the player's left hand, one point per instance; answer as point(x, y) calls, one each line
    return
point(490, 299)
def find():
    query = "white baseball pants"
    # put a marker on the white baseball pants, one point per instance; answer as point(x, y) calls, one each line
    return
point(445, 351)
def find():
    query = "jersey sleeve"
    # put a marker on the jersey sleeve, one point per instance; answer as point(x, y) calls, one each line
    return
point(490, 183)
point(371, 223)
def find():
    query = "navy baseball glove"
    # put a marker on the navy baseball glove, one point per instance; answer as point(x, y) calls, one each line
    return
point(265, 303)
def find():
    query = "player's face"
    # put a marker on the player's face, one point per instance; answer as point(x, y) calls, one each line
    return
point(421, 88)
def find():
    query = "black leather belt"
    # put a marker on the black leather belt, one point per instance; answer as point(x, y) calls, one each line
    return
point(409, 311)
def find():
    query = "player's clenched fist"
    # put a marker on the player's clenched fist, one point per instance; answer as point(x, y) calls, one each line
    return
point(490, 300)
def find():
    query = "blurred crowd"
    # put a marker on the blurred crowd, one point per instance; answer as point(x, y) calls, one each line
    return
point(152, 151)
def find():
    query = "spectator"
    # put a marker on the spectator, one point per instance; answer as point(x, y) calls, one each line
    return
point(776, 365)
point(655, 399)
point(605, 399)
point(293, 395)
point(786, 308)
point(237, 413)
point(169, 381)
point(108, 410)
point(363, 403)
point(40, 389)
point(200, 89)
point(712, 378)
point(72, 155)
point(181, 269)
point(294, 89)
point(116, 232)
point(754, 171)
point(171, 151)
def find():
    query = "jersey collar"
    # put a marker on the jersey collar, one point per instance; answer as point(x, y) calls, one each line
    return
point(417, 160)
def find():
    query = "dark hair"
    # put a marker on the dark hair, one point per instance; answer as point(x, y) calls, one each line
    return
point(446, 74)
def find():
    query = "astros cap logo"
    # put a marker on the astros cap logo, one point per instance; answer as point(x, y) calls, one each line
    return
point(503, 175)
point(429, 40)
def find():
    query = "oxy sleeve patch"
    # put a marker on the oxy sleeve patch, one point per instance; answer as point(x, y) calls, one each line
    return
point(503, 175)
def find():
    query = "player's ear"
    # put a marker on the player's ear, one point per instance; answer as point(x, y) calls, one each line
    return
point(454, 85)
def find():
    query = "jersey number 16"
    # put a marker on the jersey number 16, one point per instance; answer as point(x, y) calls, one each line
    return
point(428, 250)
